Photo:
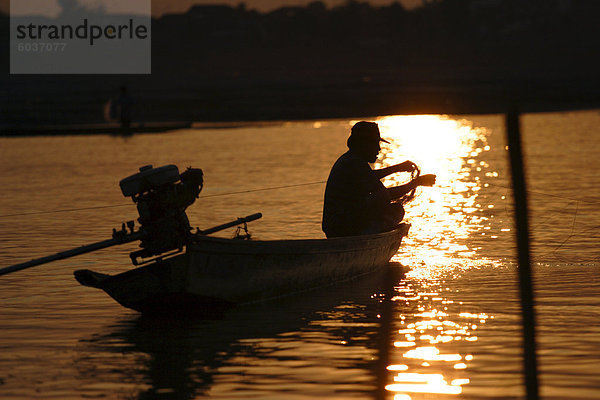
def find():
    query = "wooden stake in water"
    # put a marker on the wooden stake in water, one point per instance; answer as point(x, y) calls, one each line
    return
point(525, 281)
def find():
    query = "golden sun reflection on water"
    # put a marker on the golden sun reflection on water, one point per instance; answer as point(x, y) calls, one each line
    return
point(428, 354)
point(445, 215)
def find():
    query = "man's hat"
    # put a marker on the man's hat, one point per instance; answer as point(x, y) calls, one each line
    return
point(365, 131)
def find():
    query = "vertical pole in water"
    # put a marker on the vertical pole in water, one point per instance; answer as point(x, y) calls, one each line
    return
point(525, 281)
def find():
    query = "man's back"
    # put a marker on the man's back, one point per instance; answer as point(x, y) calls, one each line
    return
point(350, 196)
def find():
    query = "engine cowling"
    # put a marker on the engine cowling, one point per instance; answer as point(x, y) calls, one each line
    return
point(148, 178)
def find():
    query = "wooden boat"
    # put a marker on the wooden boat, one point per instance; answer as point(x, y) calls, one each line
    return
point(213, 273)
point(217, 272)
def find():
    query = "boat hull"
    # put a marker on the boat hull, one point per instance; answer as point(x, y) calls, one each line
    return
point(215, 273)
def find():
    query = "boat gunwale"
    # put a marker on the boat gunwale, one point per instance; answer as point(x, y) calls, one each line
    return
point(402, 228)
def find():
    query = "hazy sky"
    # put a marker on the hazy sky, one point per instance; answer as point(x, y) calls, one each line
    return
point(53, 7)
point(161, 6)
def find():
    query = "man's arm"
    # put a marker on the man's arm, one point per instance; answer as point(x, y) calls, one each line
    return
point(424, 180)
point(406, 166)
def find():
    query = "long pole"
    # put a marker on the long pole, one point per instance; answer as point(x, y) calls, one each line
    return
point(73, 252)
point(121, 238)
point(525, 280)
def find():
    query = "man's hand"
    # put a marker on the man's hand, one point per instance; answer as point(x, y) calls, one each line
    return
point(397, 192)
point(406, 166)
point(425, 180)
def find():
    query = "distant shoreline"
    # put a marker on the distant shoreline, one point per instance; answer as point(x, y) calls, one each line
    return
point(158, 127)
point(239, 105)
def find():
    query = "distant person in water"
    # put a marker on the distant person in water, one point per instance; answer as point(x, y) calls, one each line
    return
point(124, 105)
point(356, 202)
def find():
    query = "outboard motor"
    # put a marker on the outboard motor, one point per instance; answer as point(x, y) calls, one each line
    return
point(162, 196)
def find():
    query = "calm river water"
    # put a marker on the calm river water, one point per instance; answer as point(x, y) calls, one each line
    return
point(448, 329)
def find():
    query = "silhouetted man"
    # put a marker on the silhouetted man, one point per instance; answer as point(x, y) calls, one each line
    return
point(356, 202)
point(125, 105)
